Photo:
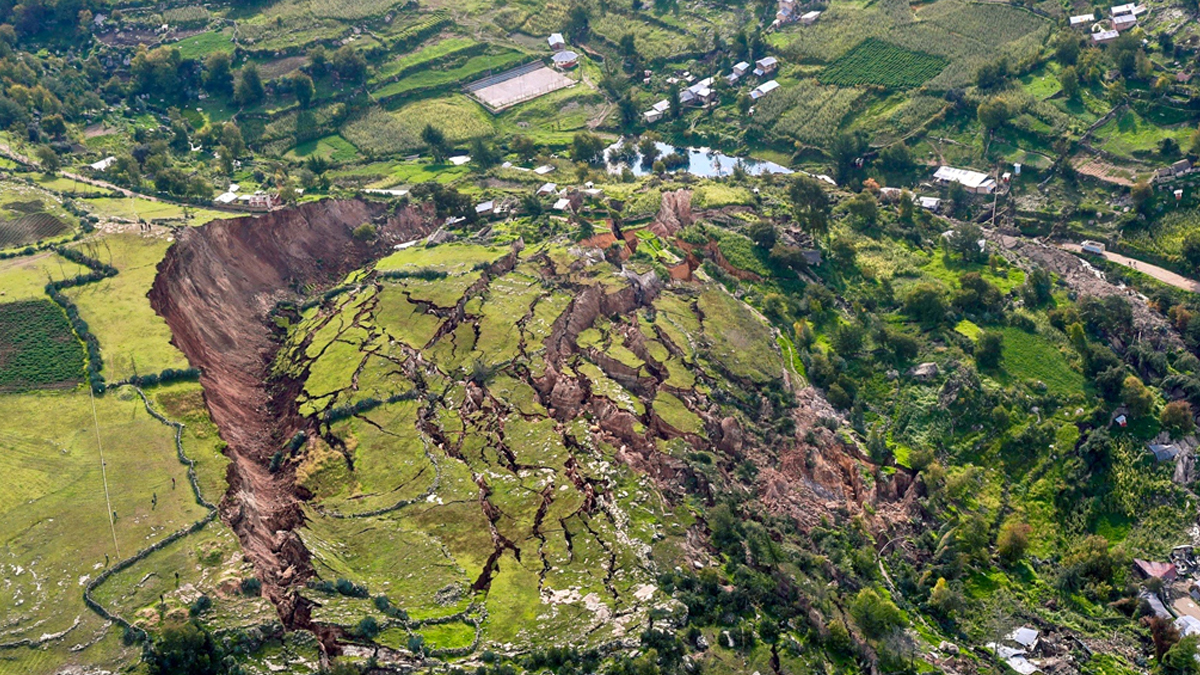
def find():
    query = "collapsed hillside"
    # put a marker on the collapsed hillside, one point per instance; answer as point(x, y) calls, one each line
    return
point(215, 288)
point(513, 443)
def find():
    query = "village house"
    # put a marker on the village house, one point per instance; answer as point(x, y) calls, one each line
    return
point(809, 18)
point(547, 189)
point(763, 89)
point(565, 60)
point(1124, 22)
point(1102, 36)
point(700, 93)
point(974, 181)
point(103, 164)
point(1155, 570)
point(766, 66)
point(557, 43)
point(930, 203)
point(485, 208)
point(1082, 20)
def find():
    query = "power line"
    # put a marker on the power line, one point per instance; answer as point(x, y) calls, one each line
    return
point(104, 474)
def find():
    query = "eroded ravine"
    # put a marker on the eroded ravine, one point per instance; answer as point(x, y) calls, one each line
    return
point(215, 288)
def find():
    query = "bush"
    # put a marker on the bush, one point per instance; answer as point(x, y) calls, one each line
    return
point(184, 648)
point(200, 605)
point(989, 350)
point(251, 586)
point(875, 614)
point(1178, 419)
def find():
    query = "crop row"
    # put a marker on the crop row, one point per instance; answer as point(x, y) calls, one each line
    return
point(37, 348)
point(882, 63)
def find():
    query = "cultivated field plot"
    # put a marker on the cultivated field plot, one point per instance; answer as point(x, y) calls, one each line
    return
point(30, 228)
point(517, 86)
point(878, 62)
point(37, 348)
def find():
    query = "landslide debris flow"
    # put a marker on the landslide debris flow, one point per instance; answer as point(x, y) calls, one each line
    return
point(491, 437)
point(215, 288)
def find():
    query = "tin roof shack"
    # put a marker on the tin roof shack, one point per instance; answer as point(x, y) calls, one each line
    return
point(1163, 451)
point(974, 181)
point(1149, 569)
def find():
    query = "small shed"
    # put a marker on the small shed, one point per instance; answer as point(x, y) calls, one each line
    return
point(1163, 451)
point(809, 18)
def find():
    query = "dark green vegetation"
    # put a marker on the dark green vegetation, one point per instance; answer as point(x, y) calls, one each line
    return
point(37, 348)
point(877, 62)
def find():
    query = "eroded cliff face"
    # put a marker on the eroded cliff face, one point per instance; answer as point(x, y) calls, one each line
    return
point(215, 288)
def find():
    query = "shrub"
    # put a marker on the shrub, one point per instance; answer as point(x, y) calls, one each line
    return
point(1177, 418)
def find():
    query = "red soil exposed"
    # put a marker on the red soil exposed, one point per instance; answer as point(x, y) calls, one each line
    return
point(215, 288)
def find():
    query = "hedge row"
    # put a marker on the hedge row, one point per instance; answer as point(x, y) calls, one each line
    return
point(99, 272)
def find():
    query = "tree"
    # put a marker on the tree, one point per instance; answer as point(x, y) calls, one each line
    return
point(629, 112)
point(648, 148)
point(1013, 541)
point(763, 235)
point(993, 113)
point(864, 209)
point(1180, 659)
point(896, 158)
point(318, 61)
point(587, 148)
point(1191, 249)
point(578, 24)
point(1038, 287)
point(848, 339)
point(1168, 148)
point(249, 89)
point(184, 648)
point(1177, 417)
point(1068, 80)
point(875, 614)
point(48, 159)
point(1136, 397)
point(989, 350)
point(943, 599)
point(965, 242)
point(926, 304)
point(302, 87)
point(435, 141)
point(483, 154)
point(525, 147)
point(218, 74)
point(349, 64)
point(810, 205)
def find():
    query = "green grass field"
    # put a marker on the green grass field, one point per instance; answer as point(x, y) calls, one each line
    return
point(133, 339)
point(1031, 357)
point(382, 132)
point(55, 526)
point(25, 277)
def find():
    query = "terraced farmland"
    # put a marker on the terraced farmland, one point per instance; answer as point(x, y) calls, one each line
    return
point(877, 62)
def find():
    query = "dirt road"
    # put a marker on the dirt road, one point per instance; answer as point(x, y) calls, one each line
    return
point(1164, 275)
